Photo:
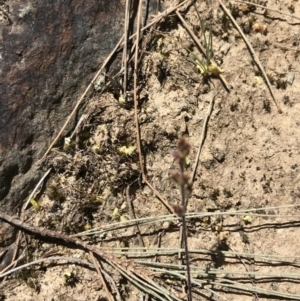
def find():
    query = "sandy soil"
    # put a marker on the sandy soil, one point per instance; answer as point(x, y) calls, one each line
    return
point(250, 160)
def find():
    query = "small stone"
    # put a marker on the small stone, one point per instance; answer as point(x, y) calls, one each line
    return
point(290, 78)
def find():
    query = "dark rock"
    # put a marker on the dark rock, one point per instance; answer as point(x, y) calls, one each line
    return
point(50, 51)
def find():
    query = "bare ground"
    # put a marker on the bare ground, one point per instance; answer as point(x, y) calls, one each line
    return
point(250, 160)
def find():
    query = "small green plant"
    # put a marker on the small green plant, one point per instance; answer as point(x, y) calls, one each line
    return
point(30, 277)
point(54, 192)
point(209, 67)
point(70, 278)
point(182, 178)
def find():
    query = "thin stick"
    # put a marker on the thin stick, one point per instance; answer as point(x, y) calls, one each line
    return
point(202, 271)
point(202, 137)
point(12, 264)
point(255, 58)
point(172, 217)
point(130, 271)
point(112, 282)
point(274, 10)
point(127, 268)
point(96, 264)
point(153, 23)
point(23, 213)
point(80, 121)
point(159, 251)
point(125, 49)
point(159, 17)
point(81, 99)
point(148, 286)
point(132, 216)
point(197, 41)
point(157, 194)
point(180, 253)
point(136, 117)
point(36, 188)
point(184, 241)
point(244, 264)
point(184, 236)
point(59, 238)
point(68, 259)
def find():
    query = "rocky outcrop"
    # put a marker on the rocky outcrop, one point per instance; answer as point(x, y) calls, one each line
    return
point(50, 50)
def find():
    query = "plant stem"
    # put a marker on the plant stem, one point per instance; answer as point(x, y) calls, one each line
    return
point(185, 239)
point(187, 259)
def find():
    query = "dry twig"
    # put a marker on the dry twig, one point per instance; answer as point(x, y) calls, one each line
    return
point(102, 281)
point(138, 276)
point(125, 49)
point(132, 215)
point(13, 260)
point(160, 16)
point(52, 258)
point(136, 117)
point(58, 237)
point(135, 97)
point(112, 283)
point(202, 137)
point(255, 58)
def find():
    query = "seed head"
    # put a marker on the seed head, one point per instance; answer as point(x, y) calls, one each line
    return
point(184, 147)
point(178, 210)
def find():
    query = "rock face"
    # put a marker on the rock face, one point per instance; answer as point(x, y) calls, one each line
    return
point(50, 50)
